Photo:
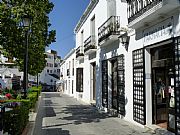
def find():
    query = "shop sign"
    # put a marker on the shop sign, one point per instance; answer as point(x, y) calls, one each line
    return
point(158, 32)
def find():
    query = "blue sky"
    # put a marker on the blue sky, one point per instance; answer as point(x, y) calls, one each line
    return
point(64, 17)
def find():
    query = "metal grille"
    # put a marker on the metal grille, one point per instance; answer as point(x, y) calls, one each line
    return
point(177, 84)
point(139, 108)
point(105, 83)
point(121, 85)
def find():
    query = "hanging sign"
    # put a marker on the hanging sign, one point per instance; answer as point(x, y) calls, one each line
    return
point(158, 32)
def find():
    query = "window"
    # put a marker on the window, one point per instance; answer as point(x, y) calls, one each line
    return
point(82, 37)
point(47, 70)
point(55, 65)
point(69, 67)
point(93, 26)
point(73, 67)
point(79, 80)
point(68, 72)
point(72, 87)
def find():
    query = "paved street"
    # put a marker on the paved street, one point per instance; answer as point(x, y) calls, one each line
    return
point(67, 116)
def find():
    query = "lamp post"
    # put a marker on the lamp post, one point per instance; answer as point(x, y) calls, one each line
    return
point(26, 23)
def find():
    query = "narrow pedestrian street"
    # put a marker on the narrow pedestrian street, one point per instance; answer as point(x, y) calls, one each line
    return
point(64, 115)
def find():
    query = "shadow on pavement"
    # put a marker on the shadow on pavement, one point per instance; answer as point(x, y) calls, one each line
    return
point(53, 131)
point(83, 114)
point(52, 95)
point(49, 111)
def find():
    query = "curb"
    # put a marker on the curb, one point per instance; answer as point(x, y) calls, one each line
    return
point(29, 129)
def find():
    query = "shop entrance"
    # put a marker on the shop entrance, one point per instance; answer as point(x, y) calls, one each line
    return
point(162, 70)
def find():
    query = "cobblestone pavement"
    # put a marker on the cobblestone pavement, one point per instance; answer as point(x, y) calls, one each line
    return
point(64, 115)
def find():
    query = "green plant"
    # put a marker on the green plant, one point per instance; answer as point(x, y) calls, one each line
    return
point(16, 119)
point(33, 97)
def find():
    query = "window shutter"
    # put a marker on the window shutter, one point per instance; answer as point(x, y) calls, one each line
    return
point(139, 104)
point(105, 83)
point(79, 80)
point(121, 85)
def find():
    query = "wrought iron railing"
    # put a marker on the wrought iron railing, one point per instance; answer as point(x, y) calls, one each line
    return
point(108, 28)
point(90, 43)
point(138, 7)
point(79, 51)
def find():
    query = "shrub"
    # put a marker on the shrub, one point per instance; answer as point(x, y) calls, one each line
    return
point(16, 119)
point(33, 97)
point(36, 89)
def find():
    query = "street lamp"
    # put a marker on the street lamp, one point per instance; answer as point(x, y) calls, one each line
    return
point(124, 39)
point(26, 23)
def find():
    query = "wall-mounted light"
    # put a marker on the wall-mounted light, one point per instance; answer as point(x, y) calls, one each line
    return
point(124, 39)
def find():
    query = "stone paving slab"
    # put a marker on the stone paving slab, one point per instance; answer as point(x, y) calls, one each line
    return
point(63, 115)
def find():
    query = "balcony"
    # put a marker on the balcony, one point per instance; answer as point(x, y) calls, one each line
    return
point(142, 12)
point(79, 53)
point(90, 45)
point(109, 31)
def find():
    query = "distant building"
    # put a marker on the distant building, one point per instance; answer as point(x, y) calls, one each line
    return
point(68, 73)
point(6, 62)
point(51, 73)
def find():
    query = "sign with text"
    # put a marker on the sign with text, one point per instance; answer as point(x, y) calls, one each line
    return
point(158, 32)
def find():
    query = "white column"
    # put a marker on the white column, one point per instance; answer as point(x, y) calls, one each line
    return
point(148, 89)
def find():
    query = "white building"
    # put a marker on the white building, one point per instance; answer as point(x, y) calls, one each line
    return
point(68, 73)
point(138, 79)
point(97, 42)
point(51, 73)
point(153, 57)
point(6, 62)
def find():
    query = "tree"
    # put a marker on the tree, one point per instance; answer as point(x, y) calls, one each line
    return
point(12, 35)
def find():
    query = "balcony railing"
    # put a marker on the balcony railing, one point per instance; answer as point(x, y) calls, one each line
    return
point(79, 51)
point(89, 43)
point(108, 28)
point(138, 7)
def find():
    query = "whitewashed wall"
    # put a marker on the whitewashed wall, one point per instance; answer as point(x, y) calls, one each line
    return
point(68, 79)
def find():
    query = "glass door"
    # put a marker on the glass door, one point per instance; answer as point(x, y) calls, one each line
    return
point(160, 83)
point(163, 86)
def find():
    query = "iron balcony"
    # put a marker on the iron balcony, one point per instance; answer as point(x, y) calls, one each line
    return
point(142, 12)
point(90, 45)
point(109, 30)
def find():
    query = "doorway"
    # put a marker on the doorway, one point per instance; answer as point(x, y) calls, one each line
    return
point(114, 64)
point(93, 81)
point(162, 61)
